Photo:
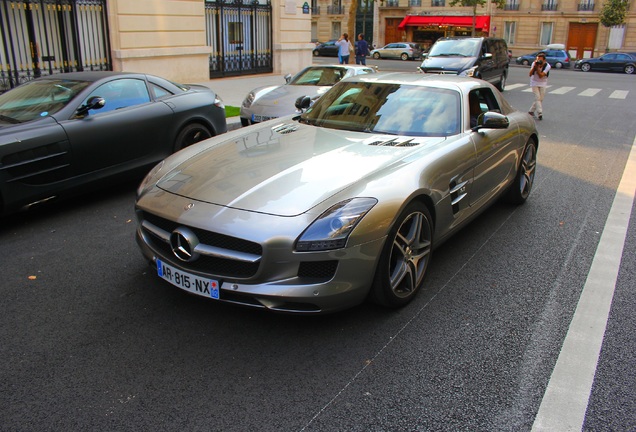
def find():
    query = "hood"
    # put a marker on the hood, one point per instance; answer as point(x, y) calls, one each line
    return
point(453, 64)
point(284, 170)
point(286, 95)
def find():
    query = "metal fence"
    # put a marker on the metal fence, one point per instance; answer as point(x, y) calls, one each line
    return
point(239, 33)
point(43, 37)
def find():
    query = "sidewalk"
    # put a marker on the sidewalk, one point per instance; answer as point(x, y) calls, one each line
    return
point(233, 90)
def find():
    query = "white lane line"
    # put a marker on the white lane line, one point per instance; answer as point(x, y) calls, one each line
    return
point(619, 94)
point(529, 90)
point(590, 92)
point(514, 86)
point(562, 90)
point(565, 401)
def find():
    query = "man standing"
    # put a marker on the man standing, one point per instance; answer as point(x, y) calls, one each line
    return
point(362, 50)
point(539, 82)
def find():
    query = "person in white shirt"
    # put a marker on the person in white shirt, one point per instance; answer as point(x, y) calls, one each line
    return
point(344, 48)
point(539, 82)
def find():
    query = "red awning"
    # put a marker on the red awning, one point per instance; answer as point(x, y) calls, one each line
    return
point(481, 22)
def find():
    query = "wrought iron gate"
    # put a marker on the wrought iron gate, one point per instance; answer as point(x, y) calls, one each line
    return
point(239, 33)
point(43, 37)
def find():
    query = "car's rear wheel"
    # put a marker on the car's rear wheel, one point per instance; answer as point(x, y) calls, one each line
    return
point(522, 185)
point(404, 56)
point(629, 69)
point(192, 133)
point(585, 67)
point(525, 62)
point(376, 55)
point(558, 65)
point(405, 257)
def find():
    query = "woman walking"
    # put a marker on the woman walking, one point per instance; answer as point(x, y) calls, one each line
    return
point(344, 48)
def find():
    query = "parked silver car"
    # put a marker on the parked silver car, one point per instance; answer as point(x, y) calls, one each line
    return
point(317, 212)
point(398, 50)
point(266, 103)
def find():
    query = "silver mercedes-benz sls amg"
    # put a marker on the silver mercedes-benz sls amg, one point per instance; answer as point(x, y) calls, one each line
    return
point(317, 212)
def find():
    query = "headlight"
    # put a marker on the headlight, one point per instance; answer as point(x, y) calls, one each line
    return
point(219, 102)
point(331, 230)
point(247, 102)
point(147, 182)
point(469, 72)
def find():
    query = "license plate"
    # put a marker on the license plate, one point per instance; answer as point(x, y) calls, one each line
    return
point(261, 118)
point(187, 281)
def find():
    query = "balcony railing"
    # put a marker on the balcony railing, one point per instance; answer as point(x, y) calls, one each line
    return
point(335, 10)
point(512, 6)
point(438, 3)
point(415, 3)
point(315, 10)
point(585, 7)
point(552, 6)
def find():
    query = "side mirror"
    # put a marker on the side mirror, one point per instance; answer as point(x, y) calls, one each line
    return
point(303, 102)
point(95, 102)
point(487, 56)
point(493, 120)
point(288, 78)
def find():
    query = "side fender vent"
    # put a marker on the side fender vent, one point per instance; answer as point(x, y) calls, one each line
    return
point(285, 128)
point(395, 143)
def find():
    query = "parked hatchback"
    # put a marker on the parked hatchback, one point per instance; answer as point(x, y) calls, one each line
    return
point(398, 50)
point(557, 58)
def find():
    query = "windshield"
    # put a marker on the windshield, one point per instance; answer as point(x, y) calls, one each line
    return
point(385, 108)
point(37, 99)
point(320, 76)
point(455, 47)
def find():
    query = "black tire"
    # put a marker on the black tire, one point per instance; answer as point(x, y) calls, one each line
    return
point(192, 133)
point(525, 62)
point(376, 55)
point(404, 56)
point(522, 185)
point(586, 67)
point(245, 122)
point(629, 69)
point(316, 53)
point(405, 257)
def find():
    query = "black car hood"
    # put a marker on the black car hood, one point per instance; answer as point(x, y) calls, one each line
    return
point(453, 64)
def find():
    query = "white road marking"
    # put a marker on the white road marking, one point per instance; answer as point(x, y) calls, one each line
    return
point(565, 400)
point(619, 94)
point(562, 90)
point(514, 86)
point(589, 92)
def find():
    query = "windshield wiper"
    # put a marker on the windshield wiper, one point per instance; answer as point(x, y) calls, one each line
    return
point(11, 120)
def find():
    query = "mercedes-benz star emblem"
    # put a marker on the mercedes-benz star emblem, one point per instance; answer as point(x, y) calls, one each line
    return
point(183, 243)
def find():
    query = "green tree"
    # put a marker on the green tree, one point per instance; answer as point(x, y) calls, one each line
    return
point(613, 13)
point(500, 4)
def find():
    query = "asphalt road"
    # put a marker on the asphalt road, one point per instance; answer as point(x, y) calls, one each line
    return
point(92, 340)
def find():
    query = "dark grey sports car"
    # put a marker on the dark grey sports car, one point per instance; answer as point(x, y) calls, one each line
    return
point(62, 132)
point(317, 212)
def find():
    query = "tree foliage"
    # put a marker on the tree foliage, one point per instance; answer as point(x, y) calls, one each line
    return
point(613, 13)
point(500, 4)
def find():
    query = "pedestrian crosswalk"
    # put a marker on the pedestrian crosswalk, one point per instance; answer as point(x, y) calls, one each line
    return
point(588, 92)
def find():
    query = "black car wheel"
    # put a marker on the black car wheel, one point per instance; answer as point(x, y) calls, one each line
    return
point(192, 133)
point(585, 67)
point(405, 257)
point(521, 187)
point(316, 53)
point(629, 69)
point(525, 62)
point(376, 55)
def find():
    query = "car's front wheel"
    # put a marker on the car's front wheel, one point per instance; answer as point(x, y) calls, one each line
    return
point(316, 53)
point(404, 56)
point(405, 257)
point(376, 55)
point(192, 133)
point(629, 69)
point(585, 67)
point(525, 62)
point(522, 185)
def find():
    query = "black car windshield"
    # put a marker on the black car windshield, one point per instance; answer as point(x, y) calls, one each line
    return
point(37, 99)
point(455, 47)
point(387, 108)
point(320, 76)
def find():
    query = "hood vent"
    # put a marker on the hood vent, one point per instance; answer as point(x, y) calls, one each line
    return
point(395, 143)
point(285, 128)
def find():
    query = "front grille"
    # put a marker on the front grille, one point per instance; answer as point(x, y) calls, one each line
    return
point(218, 266)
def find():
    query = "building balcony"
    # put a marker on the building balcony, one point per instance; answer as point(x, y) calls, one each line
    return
point(511, 7)
point(585, 7)
point(315, 10)
point(552, 6)
point(335, 10)
point(415, 3)
point(438, 3)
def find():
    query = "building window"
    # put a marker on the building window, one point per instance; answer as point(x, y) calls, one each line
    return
point(416, 3)
point(549, 5)
point(335, 30)
point(335, 8)
point(438, 3)
point(510, 30)
point(546, 33)
point(586, 5)
point(235, 32)
point(511, 5)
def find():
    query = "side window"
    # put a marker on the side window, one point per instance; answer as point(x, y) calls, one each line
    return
point(121, 93)
point(488, 99)
point(159, 91)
